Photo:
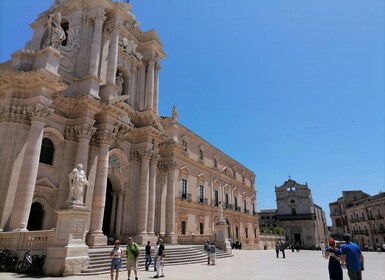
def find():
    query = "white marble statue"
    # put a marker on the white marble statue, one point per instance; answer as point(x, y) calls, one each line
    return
point(56, 34)
point(174, 115)
point(119, 81)
point(78, 183)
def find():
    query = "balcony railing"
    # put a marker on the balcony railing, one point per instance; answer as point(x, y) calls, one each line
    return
point(228, 206)
point(202, 200)
point(185, 196)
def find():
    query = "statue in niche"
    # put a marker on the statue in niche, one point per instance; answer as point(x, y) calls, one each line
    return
point(174, 115)
point(129, 47)
point(56, 34)
point(78, 183)
point(119, 81)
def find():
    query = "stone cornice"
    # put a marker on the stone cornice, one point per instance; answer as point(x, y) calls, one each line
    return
point(30, 80)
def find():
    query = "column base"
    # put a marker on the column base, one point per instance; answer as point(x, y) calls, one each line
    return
point(170, 238)
point(96, 239)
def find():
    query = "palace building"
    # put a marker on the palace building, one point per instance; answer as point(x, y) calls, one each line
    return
point(84, 90)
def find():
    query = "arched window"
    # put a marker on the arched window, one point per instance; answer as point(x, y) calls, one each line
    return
point(184, 145)
point(200, 154)
point(215, 163)
point(47, 151)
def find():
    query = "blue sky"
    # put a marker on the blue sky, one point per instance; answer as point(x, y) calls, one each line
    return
point(284, 87)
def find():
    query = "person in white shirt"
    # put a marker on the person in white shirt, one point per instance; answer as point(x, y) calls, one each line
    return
point(155, 252)
point(116, 263)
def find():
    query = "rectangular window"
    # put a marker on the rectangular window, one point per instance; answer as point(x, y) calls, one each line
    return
point(201, 228)
point(236, 232)
point(216, 198)
point(184, 188)
point(293, 211)
point(236, 202)
point(246, 233)
point(183, 228)
point(227, 200)
point(201, 194)
point(244, 206)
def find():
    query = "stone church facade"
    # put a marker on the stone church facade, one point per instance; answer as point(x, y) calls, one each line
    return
point(303, 220)
point(84, 90)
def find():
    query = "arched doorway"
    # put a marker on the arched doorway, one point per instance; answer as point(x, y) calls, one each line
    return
point(107, 209)
point(36, 215)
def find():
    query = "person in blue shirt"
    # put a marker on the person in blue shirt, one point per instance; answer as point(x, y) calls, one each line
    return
point(352, 257)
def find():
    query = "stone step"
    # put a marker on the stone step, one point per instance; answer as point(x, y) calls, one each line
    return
point(175, 255)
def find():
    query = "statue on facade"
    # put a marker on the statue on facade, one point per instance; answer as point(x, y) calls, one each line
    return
point(78, 183)
point(56, 34)
point(221, 218)
point(129, 46)
point(119, 81)
point(174, 116)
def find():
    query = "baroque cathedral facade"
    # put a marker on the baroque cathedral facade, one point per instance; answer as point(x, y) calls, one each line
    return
point(84, 91)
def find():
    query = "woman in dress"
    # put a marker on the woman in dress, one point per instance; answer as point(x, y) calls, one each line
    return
point(333, 254)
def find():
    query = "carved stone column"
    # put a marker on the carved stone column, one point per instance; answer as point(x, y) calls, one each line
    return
point(170, 166)
point(151, 197)
point(133, 81)
point(145, 155)
point(150, 83)
point(96, 237)
point(119, 213)
point(113, 213)
point(98, 18)
point(29, 169)
point(84, 133)
point(113, 53)
point(156, 86)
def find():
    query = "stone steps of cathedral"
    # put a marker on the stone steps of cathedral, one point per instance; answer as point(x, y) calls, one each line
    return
point(175, 255)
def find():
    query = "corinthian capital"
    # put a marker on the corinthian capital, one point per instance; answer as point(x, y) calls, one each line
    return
point(38, 113)
point(105, 137)
point(145, 153)
point(167, 165)
point(84, 131)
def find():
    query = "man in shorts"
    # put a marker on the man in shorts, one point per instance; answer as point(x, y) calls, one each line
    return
point(132, 252)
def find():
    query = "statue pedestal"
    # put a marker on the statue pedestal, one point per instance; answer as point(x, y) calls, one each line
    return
point(108, 91)
point(170, 239)
point(86, 85)
point(68, 253)
point(48, 58)
point(222, 240)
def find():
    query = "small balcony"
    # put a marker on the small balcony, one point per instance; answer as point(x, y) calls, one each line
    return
point(185, 196)
point(202, 200)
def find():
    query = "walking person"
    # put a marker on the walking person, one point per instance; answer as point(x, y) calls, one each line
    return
point(277, 247)
point(116, 262)
point(352, 257)
point(334, 256)
point(207, 249)
point(148, 256)
point(132, 251)
point(323, 248)
point(155, 252)
point(160, 260)
point(282, 247)
point(212, 253)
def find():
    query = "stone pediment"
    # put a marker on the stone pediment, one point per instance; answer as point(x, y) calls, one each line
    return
point(45, 182)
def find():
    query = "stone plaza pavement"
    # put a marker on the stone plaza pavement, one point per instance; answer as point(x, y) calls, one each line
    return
point(260, 265)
